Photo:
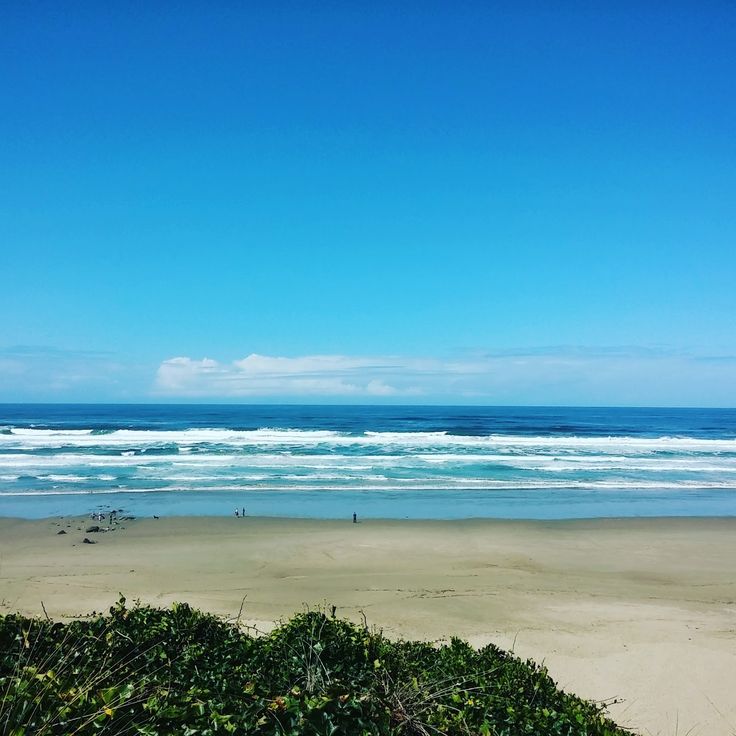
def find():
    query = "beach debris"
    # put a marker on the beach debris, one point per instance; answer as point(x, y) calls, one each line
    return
point(90, 529)
point(61, 531)
point(88, 541)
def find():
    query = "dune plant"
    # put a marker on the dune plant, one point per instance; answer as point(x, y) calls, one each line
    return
point(147, 671)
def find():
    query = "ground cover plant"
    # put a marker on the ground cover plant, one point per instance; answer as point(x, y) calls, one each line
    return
point(148, 671)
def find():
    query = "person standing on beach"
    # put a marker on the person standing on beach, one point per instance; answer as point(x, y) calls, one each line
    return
point(355, 518)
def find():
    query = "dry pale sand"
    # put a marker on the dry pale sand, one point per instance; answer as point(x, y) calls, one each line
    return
point(639, 610)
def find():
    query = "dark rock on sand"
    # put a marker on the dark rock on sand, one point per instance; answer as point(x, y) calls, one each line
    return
point(88, 541)
point(92, 529)
point(61, 531)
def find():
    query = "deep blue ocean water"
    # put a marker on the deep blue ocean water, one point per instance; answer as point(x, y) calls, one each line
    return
point(391, 462)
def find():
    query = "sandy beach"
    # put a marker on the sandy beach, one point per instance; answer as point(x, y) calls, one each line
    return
point(639, 611)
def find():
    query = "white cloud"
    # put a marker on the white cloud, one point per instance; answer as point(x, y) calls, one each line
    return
point(573, 375)
point(263, 375)
point(379, 388)
point(256, 364)
point(563, 375)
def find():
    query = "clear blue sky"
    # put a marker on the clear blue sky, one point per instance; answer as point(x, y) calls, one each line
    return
point(509, 203)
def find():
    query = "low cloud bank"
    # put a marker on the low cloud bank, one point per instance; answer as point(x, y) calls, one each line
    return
point(30, 373)
point(309, 375)
point(566, 375)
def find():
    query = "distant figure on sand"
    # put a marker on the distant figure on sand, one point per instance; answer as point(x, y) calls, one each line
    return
point(237, 513)
point(243, 514)
point(355, 518)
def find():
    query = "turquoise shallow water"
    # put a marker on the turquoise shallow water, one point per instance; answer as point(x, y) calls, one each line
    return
point(392, 462)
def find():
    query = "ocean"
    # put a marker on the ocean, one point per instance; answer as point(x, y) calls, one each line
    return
point(378, 462)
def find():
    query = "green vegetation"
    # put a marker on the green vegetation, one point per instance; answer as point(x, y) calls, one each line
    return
point(148, 671)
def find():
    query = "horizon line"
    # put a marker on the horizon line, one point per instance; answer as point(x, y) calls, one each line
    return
point(364, 406)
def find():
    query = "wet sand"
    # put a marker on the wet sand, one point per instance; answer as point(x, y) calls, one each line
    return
point(638, 610)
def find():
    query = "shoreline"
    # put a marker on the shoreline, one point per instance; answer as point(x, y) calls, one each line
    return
point(391, 519)
point(378, 519)
point(608, 604)
point(402, 520)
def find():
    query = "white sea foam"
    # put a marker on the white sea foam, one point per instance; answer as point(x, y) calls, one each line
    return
point(531, 461)
point(209, 460)
point(30, 438)
point(462, 484)
point(58, 478)
point(45, 438)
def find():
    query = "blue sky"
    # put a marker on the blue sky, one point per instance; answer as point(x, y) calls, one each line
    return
point(430, 202)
